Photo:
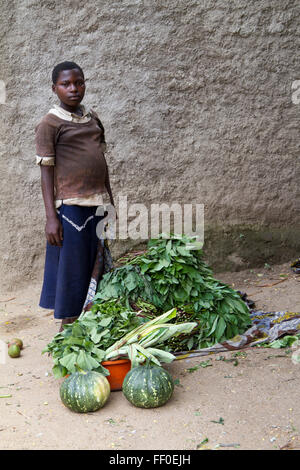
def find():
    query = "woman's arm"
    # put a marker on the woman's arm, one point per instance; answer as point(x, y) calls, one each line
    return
point(108, 188)
point(53, 228)
point(107, 185)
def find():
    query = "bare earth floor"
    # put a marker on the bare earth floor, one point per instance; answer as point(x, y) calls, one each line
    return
point(249, 403)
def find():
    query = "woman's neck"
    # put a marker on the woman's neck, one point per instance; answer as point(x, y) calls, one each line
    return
point(77, 110)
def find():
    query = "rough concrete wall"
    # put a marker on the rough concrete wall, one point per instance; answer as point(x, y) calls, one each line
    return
point(195, 97)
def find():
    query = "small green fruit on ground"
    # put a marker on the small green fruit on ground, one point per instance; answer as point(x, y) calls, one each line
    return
point(17, 341)
point(14, 350)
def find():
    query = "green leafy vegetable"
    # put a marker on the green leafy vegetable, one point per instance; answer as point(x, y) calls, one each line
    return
point(284, 342)
point(138, 344)
point(84, 342)
point(97, 343)
point(170, 280)
point(171, 274)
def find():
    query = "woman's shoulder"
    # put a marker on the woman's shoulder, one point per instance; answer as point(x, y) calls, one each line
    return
point(49, 120)
point(95, 115)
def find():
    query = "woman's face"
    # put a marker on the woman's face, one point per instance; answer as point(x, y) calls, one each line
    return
point(70, 88)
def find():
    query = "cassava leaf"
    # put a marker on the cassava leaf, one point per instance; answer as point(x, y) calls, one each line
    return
point(69, 361)
point(86, 362)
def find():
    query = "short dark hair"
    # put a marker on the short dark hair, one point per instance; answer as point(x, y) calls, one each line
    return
point(66, 65)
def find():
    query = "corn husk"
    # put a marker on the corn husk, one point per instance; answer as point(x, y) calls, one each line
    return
point(138, 344)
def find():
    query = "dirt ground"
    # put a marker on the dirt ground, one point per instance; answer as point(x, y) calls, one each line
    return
point(250, 403)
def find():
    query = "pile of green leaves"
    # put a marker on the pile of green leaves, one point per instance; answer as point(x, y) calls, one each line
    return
point(172, 274)
point(127, 282)
point(84, 342)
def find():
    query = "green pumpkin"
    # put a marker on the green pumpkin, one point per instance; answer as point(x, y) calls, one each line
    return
point(148, 386)
point(85, 391)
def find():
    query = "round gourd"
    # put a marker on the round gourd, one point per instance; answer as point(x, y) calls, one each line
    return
point(85, 391)
point(14, 350)
point(16, 341)
point(148, 386)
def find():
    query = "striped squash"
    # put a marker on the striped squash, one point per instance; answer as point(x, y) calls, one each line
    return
point(148, 386)
point(85, 391)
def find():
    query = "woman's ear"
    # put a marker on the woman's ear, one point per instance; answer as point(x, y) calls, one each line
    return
point(53, 88)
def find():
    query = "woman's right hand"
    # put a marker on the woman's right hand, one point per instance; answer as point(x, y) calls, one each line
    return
point(54, 231)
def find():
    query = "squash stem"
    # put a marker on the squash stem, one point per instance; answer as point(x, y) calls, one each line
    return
point(79, 369)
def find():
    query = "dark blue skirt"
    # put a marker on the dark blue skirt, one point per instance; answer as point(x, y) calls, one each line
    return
point(68, 269)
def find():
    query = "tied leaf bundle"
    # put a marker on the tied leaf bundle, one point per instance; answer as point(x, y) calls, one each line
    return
point(172, 273)
point(138, 344)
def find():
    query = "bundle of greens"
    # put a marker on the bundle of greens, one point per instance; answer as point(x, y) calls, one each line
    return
point(84, 342)
point(138, 344)
point(172, 273)
point(108, 332)
point(134, 302)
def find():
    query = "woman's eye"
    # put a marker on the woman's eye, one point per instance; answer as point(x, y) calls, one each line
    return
point(66, 84)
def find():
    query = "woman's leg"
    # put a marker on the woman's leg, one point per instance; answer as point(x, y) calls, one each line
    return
point(66, 321)
point(68, 269)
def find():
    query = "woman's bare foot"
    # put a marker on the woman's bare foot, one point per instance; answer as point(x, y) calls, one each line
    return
point(66, 321)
